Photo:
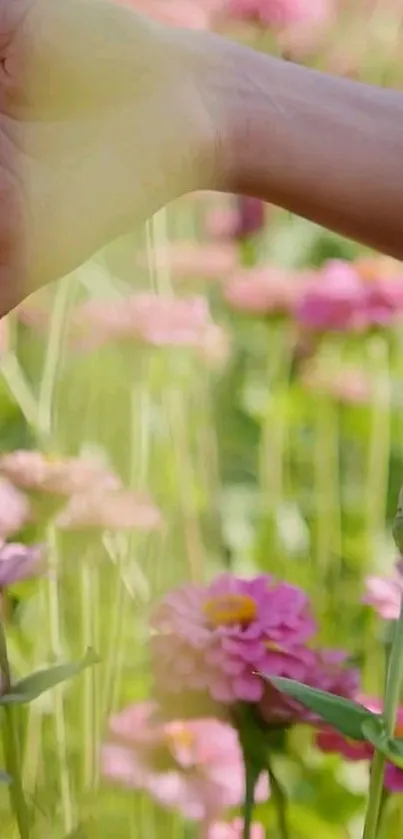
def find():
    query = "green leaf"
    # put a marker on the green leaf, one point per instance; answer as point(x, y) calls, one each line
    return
point(346, 716)
point(390, 747)
point(34, 685)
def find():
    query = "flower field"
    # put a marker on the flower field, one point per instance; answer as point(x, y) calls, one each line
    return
point(200, 526)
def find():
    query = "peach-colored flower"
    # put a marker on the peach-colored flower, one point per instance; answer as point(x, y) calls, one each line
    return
point(14, 509)
point(32, 470)
point(109, 509)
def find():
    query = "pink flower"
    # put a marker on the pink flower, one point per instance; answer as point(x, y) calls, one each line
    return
point(326, 670)
point(233, 830)
point(214, 638)
point(349, 385)
point(343, 297)
point(334, 301)
point(189, 261)
point(264, 291)
point(109, 509)
point(280, 13)
point(331, 741)
point(146, 318)
point(14, 509)
point(384, 594)
point(19, 562)
point(34, 471)
point(193, 766)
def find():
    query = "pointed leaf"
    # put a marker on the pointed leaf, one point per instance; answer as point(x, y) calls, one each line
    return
point(34, 685)
point(346, 716)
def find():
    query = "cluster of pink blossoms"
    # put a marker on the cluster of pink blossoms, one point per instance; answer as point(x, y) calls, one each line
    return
point(85, 492)
point(216, 640)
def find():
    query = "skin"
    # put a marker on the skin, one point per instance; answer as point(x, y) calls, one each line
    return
point(105, 117)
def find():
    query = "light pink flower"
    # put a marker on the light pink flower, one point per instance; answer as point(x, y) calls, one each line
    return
point(384, 594)
point(264, 291)
point(109, 509)
point(34, 471)
point(348, 384)
point(189, 261)
point(214, 638)
point(194, 766)
point(280, 13)
point(146, 318)
point(331, 741)
point(234, 830)
point(14, 509)
point(178, 13)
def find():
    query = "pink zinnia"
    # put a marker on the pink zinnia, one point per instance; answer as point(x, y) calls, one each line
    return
point(14, 509)
point(214, 638)
point(281, 13)
point(384, 594)
point(146, 318)
point(34, 471)
point(328, 670)
point(234, 830)
point(194, 766)
point(109, 509)
point(331, 741)
point(189, 262)
point(264, 291)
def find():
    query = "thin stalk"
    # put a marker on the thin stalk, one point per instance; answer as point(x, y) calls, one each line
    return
point(280, 804)
point(249, 800)
point(11, 748)
point(392, 695)
point(54, 618)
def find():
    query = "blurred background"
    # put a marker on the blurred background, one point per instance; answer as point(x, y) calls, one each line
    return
point(238, 372)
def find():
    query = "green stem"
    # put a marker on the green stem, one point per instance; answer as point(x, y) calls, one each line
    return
point(249, 801)
point(280, 804)
point(392, 694)
point(11, 748)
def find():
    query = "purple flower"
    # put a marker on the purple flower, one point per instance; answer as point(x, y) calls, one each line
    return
point(213, 639)
point(19, 562)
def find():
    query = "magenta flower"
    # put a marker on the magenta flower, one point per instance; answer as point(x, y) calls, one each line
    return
point(331, 741)
point(193, 766)
point(343, 298)
point(214, 638)
point(19, 562)
point(384, 594)
point(233, 830)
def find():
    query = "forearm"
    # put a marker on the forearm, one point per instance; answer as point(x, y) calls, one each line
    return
point(328, 149)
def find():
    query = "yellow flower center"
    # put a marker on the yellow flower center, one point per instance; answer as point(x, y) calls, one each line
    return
point(178, 734)
point(231, 608)
point(273, 647)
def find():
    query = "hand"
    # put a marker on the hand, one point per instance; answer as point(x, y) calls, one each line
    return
point(101, 123)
